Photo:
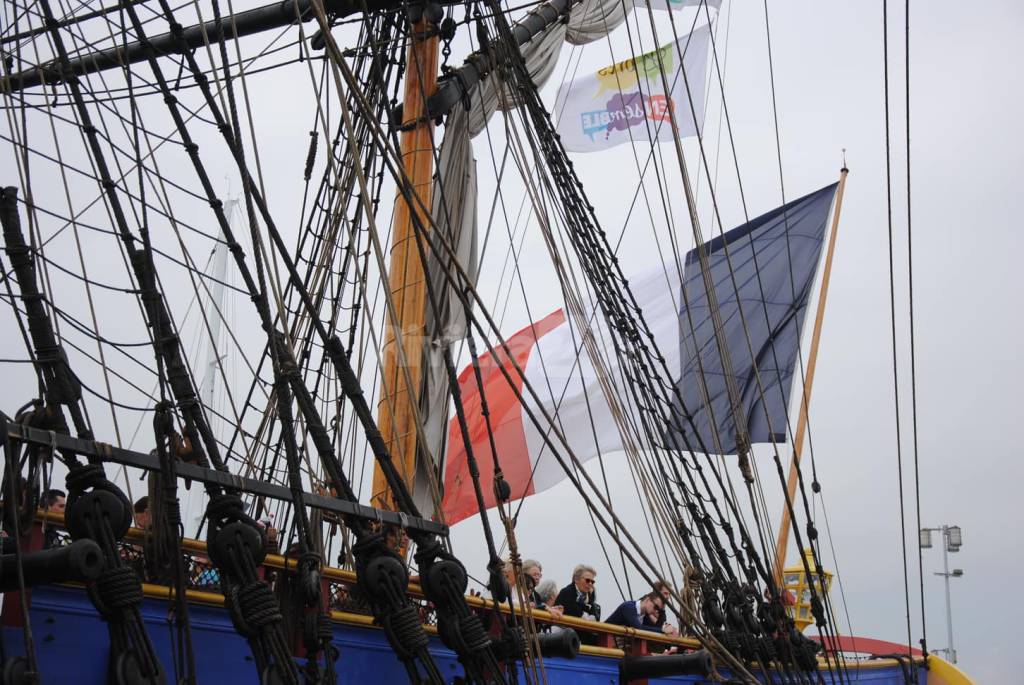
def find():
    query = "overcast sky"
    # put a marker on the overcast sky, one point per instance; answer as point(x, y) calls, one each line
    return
point(966, 153)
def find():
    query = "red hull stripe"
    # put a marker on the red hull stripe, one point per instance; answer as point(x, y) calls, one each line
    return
point(865, 645)
point(506, 421)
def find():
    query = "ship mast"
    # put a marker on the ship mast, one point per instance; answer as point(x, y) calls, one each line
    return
point(786, 523)
point(217, 291)
point(402, 376)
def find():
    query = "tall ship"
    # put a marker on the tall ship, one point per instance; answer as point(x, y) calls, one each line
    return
point(292, 289)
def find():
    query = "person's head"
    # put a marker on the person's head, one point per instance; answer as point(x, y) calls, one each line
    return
point(395, 537)
point(533, 571)
point(142, 512)
point(55, 500)
point(584, 578)
point(266, 524)
point(548, 591)
point(663, 589)
point(652, 605)
point(510, 573)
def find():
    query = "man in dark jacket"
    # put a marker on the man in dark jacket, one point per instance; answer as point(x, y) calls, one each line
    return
point(641, 614)
point(579, 598)
point(56, 501)
point(661, 625)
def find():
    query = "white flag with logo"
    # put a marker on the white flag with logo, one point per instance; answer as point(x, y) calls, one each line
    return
point(627, 101)
point(678, 4)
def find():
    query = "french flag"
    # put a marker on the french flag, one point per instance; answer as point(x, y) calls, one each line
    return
point(762, 274)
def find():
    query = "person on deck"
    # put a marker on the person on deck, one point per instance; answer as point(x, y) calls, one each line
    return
point(579, 598)
point(134, 554)
point(531, 575)
point(661, 625)
point(533, 572)
point(54, 500)
point(141, 508)
point(641, 614)
point(547, 591)
point(510, 577)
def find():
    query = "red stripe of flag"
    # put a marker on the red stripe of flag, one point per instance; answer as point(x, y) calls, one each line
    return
point(506, 421)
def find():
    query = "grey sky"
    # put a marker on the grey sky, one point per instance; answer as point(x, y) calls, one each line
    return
point(966, 153)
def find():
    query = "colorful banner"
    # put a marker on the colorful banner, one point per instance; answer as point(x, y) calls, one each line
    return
point(628, 102)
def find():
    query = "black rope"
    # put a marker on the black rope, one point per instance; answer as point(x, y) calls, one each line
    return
point(12, 498)
point(913, 356)
point(892, 317)
point(168, 531)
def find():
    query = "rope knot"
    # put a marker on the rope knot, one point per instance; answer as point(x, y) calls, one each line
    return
point(226, 508)
point(82, 477)
point(404, 630)
point(116, 589)
point(257, 605)
point(473, 632)
point(163, 423)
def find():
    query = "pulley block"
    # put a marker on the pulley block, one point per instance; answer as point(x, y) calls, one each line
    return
point(87, 512)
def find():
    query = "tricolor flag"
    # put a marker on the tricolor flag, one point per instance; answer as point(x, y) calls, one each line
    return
point(628, 101)
point(769, 274)
point(678, 4)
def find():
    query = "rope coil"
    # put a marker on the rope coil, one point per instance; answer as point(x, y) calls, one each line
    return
point(258, 605)
point(405, 631)
point(117, 589)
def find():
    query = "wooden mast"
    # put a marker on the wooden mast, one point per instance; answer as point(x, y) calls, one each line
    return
point(812, 359)
point(399, 389)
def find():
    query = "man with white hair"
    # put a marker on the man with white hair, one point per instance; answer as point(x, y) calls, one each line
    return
point(579, 598)
point(547, 591)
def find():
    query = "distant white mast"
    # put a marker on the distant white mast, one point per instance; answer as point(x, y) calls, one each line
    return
point(215, 313)
point(214, 309)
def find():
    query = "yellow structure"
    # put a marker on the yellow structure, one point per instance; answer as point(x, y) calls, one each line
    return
point(798, 587)
point(941, 672)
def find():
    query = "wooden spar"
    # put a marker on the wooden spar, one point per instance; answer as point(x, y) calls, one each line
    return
point(406, 278)
point(812, 359)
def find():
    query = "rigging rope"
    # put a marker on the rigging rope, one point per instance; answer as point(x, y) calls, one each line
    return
point(892, 318)
point(913, 356)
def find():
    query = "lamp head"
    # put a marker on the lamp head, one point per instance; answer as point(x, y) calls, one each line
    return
point(954, 538)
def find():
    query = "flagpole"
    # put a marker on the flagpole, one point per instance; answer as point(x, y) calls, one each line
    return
point(812, 358)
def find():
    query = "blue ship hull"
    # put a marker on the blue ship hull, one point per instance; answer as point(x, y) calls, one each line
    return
point(71, 647)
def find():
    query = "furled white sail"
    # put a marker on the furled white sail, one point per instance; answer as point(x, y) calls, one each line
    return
point(454, 202)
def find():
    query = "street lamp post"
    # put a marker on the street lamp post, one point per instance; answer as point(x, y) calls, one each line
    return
point(952, 539)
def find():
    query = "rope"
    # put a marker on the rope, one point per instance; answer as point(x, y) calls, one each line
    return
point(913, 356)
point(117, 589)
point(258, 605)
point(892, 318)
